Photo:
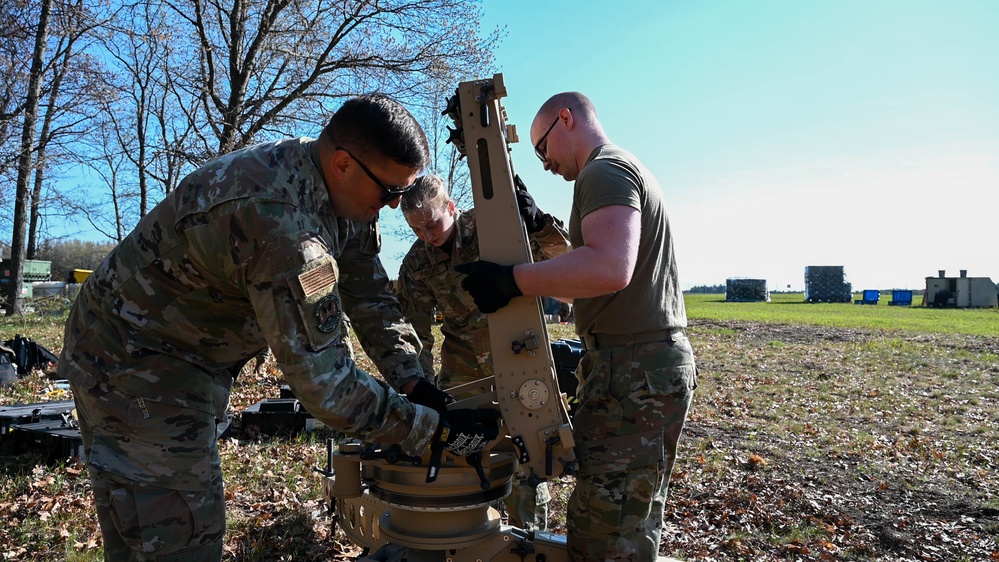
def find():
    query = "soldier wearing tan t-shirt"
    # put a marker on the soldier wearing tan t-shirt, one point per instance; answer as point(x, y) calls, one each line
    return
point(637, 378)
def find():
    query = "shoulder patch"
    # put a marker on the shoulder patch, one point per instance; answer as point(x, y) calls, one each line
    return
point(318, 301)
point(318, 279)
point(328, 313)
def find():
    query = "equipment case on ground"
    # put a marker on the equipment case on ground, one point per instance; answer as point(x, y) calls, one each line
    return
point(13, 414)
point(278, 416)
point(59, 439)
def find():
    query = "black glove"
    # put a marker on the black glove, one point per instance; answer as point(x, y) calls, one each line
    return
point(466, 431)
point(491, 285)
point(534, 219)
point(463, 432)
point(426, 394)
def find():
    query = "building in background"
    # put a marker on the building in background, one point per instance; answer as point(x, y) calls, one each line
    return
point(960, 292)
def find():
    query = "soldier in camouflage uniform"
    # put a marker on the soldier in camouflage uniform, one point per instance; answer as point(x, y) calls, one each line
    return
point(447, 236)
point(637, 378)
point(266, 246)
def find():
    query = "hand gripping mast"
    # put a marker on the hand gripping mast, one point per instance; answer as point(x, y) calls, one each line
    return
point(526, 385)
point(382, 498)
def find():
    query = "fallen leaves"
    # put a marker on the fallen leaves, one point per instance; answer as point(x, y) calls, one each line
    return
point(849, 446)
point(835, 452)
point(756, 461)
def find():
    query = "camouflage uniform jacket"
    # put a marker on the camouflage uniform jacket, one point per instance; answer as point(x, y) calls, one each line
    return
point(246, 254)
point(427, 280)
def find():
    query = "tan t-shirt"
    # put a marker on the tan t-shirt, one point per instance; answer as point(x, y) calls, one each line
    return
point(653, 300)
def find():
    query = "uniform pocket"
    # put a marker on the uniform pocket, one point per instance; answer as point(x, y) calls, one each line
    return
point(158, 444)
point(165, 521)
point(673, 369)
point(672, 380)
point(621, 453)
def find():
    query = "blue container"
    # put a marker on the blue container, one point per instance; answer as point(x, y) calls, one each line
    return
point(901, 298)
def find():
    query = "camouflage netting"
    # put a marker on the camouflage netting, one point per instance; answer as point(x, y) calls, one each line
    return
point(826, 283)
point(746, 290)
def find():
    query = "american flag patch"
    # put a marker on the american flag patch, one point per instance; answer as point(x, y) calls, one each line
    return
point(318, 279)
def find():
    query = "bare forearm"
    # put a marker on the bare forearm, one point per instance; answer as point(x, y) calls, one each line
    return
point(580, 273)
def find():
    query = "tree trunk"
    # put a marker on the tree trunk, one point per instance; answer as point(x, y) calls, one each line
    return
point(43, 142)
point(24, 164)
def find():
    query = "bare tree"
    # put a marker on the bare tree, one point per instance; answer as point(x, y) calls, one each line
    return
point(192, 79)
point(144, 118)
point(52, 93)
point(176, 118)
point(25, 161)
point(73, 254)
point(142, 141)
point(16, 41)
point(67, 92)
point(275, 67)
point(113, 212)
point(171, 85)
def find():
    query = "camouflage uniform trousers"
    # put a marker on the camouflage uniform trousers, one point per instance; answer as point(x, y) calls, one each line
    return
point(633, 404)
point(526, 506)
point(156, 477)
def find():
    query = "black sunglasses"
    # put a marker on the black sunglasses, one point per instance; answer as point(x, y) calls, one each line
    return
point(390, 192)
point(542, 154)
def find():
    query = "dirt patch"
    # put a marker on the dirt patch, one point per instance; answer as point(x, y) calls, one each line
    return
point(759, 482)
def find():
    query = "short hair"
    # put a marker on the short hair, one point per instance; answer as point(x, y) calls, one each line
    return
point(377, 123)
point(578, 103)
point(427, 192)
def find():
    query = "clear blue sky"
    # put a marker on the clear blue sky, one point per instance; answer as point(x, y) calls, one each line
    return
point(784, 133)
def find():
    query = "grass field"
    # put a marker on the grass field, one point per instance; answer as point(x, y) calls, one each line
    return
point(791, 308)
point(818, 432)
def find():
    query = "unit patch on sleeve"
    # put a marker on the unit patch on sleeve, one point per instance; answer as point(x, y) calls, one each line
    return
point(319, 303)
point(328, 314)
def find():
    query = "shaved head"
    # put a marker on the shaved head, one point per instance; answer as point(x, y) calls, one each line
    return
point(579, 104)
